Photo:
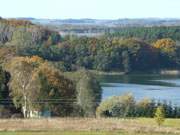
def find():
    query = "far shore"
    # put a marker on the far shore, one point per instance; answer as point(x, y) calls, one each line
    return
point(161, 72)
point(107, 73)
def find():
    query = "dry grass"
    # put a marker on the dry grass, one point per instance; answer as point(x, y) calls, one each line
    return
point(90, 124)
point(80, 133)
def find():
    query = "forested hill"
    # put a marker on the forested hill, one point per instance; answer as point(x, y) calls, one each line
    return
point(127, 49)
point(22, 32)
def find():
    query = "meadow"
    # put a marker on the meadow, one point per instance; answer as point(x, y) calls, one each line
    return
point(88, 126)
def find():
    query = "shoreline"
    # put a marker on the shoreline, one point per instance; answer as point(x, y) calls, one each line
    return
point(96, 72)
point(161, 72)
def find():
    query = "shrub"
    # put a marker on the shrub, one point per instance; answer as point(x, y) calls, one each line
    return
point(145, 108)
point(4, 112)
point(159, 115)
point(119, 106)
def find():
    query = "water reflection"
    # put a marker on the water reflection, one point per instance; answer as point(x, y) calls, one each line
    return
point(151, 86)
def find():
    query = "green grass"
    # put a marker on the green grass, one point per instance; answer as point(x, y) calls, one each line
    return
point(175, 123)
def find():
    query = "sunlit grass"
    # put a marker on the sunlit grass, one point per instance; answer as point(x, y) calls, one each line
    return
point(168, 122)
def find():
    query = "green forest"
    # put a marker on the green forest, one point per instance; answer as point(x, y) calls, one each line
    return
point(113, 52)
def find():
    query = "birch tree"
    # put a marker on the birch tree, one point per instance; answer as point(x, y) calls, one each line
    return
point(21, 85)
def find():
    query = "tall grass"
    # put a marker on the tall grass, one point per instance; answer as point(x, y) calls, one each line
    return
point(140, 125)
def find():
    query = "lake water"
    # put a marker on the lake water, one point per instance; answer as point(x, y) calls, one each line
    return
point(156, 87)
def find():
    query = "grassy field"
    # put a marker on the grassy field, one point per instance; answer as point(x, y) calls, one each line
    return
point(81, 133)
point(88, 126)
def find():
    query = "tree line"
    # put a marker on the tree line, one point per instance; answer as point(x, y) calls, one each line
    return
point(126, 106)
point(109, 54)
point(147, 33)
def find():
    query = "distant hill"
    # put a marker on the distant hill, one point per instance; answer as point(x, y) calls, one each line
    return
point(110, 23)
point(95, 27)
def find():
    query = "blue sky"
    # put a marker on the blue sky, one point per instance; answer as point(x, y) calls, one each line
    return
point(97, 9)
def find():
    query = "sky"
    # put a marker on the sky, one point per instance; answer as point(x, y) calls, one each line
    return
point(95, 9)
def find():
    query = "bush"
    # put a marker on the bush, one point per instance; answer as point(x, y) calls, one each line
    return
point(119, 106)
point(4, 112)
point(160, 115)
point(145, 108)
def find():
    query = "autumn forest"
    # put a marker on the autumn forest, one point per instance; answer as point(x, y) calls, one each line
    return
point(42, 70)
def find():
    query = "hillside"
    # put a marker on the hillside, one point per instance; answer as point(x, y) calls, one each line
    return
point(18, 32)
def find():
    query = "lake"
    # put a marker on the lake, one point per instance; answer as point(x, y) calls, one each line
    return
point(158, 87)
